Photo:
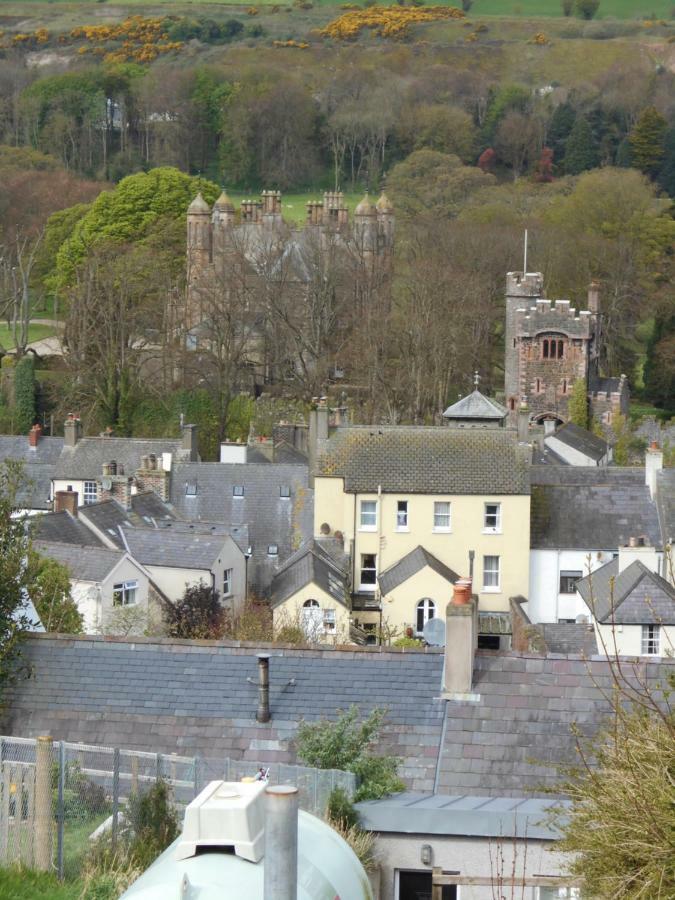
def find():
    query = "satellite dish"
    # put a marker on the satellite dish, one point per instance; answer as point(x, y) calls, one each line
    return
point(434, 632)
point(106, 484)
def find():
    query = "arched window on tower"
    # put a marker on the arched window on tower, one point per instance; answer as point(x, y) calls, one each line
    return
point(426, 609)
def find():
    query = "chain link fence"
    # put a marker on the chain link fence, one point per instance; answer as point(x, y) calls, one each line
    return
point(57, 797)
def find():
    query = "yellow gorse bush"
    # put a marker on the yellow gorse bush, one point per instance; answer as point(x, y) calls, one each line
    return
point(142, 39)
point(386, 21)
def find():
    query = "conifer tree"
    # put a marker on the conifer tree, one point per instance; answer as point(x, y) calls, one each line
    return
point(581, 151)
point(647, 141)
point(666, 176)
point(578, 404)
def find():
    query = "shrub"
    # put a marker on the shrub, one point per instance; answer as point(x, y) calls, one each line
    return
point(154, 823)
point(466, 5)
point(24, 394)
point(586, 9)
point(567, 7)
point(197, 615)
point(341, 810)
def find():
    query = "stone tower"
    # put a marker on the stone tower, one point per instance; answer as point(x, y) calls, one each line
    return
point(198, 240)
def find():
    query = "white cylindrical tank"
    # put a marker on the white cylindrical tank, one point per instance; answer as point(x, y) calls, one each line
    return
point(224, 861)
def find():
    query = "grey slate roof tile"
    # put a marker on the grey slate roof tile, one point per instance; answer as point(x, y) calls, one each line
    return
point(65, 529)
point(569, 637)
point(634, 596)
point(310, 565)
point(85, 563)
point(582, 440)
point(39, 465)
point(86, 458)
point(176, 549)
point(476, 406)
point(410, 565)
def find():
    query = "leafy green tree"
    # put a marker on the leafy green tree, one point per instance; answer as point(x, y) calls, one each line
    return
point(578, 404)
point(197, 615)
point(14, 549)
point(581, 151)
point(347, 744)
point(659, 369)
point(586, 9)
point(24, 394)
point(130, 212)
point(510, 97)
point(647, 141)
point(48, 586)
point(559, 128)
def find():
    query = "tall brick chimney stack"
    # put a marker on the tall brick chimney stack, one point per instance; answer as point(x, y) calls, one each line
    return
point(34, 435)
point(72, 430)
point(66, 501)
point(594, 297)
point(460, 640)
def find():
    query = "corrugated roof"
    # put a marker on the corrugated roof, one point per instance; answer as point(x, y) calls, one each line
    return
point(426, 460)
point(476, 406)
point(84, 563)
point(410, 565)
point(634, 596)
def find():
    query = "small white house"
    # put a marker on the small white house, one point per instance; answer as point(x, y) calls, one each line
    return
point(575, 446)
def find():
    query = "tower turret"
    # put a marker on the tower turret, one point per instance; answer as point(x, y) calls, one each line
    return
point(385, 219)
point(222, 220)
point(523, 289)
point(198, 236)
point(365, 226)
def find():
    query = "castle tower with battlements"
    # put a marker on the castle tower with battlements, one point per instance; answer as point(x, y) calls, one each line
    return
point(548, 346)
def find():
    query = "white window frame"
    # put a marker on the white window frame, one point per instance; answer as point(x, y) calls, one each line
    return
point(368, 526)
point(227, 582)
point(124, 589)
point(329, 621)
point(565, 573)
point(428, 608)
point(402, 513)
point(570, 893)
point(651, 640)
point(91, 495)
point(443, 529)
point(492, 588)
point(367, 587)
point(492, 529)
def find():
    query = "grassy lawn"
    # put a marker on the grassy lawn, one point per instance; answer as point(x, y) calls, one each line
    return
point(294, 206)
point(35, 333)
point(20, 884)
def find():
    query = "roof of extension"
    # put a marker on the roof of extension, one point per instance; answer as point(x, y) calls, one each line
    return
point(64, 528)
point(426, 460)
point(568, 637)
point(505, 742)
point(84, 563)
point(586, 508)
point(174, 549)
point(475, 406)
point(310, 565)
point(85, 459)
point(582, 440)
point(410, 565)
point(634, 596)
point(205, 492)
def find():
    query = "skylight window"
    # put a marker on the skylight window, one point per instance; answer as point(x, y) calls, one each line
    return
point(190, 489)
point(238, 490)
point(284, 490)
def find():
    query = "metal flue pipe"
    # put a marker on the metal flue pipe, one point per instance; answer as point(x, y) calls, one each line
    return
point(281, 843)
point(263, 713)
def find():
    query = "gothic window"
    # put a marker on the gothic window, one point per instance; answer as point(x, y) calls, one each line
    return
point(552, 348)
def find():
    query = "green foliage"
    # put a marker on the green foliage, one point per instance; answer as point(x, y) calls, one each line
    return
point(129, 212)
point(60, 225)
point(197, 615)
point(24, 394)
point(407, 643)
point(510, 97)
point(341, 809)
point(647, 141)
point(586, 9)
point(48, 585)
point(208, 31)
point(559, 128)
point(154, 823)
point(659, 368)
point(581, 151)
point(160, 417)
point(14, 548)
point(666, 177)
point(347, 744)
point(578, 404)
point(23, 158)
point(83, 798)
point(623, 441)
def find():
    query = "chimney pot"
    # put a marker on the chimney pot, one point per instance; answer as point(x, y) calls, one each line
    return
point(461, 594)
point(34, 435)
point(263, 713)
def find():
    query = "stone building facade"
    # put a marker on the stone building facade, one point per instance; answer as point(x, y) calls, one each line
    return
point(549, 345)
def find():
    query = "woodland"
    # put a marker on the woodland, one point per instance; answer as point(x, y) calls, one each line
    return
point(477, 127)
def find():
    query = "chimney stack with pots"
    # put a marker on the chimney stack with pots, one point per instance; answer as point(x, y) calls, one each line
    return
point(653, 465)
point(189, 443)
point(460, 639)
point(72, 430)
point(594, 297)
point(34, 435)
point(66, 501)
point(263, 713)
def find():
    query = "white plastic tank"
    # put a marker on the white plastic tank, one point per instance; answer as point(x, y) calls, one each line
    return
point(220, 854)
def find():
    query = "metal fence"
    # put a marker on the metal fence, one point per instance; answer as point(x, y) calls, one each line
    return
point(57, 797)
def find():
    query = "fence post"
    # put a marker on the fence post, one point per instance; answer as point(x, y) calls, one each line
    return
point(60, 812)
point(43, 804)
point(134, 775)
point(116, 795)
point(196, 775)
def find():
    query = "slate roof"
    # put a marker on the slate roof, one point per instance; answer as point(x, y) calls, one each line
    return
point(637, 596)
point(194, 698)
point(86, 458)
point(569, 637)
point(38, 466)
point(582, 440)
point(65, 529)
point(410, 565)
point(426, 460)
point(272, 519)
point(476, 406)
point(585, 509)
point(310, 565)
point(175, 549)
point(665, 501)
point(83, 562)
point(601, 384)
point(466, 816)
point(148, 505)
point(107, 516)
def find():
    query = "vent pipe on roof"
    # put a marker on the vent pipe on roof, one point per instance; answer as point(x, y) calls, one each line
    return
point(281, 843)
point(263, 714)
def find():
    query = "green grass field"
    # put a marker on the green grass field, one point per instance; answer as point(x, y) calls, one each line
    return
point(35, 333)
point(294, 206)
point(19, 884)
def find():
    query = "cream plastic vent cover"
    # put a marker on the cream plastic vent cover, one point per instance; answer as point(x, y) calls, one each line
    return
point(225, 814)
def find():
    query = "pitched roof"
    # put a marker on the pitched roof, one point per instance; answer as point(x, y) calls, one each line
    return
point(47, 451)
point(65, 529)
point(582, 440)
point(310, 565)
point(589, 510)
point(410, 565)
point(106, 516)
point(84, 563)
point(426, 460)
point(205, 492)
point(476, 406)
point(86, 458)
point(38, 467)
point(506, 741)
point(665, 501)
point(148, 505)
point(633, 596)
point(174, 549)
point(569, 637)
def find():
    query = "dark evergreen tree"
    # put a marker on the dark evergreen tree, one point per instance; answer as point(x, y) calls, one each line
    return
point(666, 176)
point(659, 370)
point(581, 151)
point(647, 142)
point(559, 128)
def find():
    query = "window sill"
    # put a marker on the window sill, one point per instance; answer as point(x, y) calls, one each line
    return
point(401, 530)
point(228, 595)
point(368, 528)
point(441, 530)
point(366, 588)
point(492, 531)
point(491, 590)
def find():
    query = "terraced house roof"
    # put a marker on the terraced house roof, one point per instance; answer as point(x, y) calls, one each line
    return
point(426, 460)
